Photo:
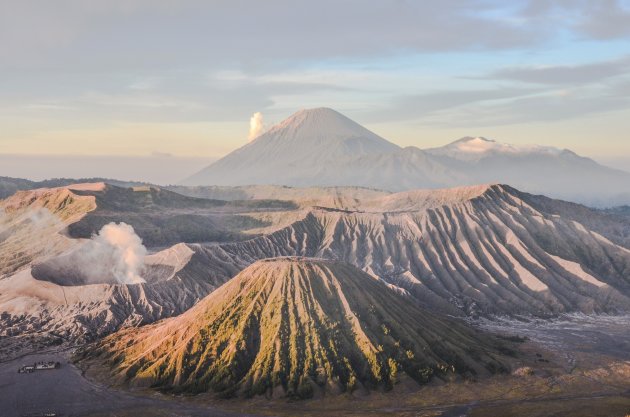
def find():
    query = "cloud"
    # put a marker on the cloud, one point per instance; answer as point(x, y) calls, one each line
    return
point(89, 66)
point(158, 154)
point(511, 104)
point(130, 168)
point(564, 74)
point(145, 84)
point(256, 125)
point(104, 36)
point(605, 19)
point(419, 106)
point(548, 107)
point(178, 97)
point(599, 20)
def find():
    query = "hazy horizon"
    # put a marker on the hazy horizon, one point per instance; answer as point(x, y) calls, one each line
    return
point(125, 168)
point(134, 79)
point(149, 168)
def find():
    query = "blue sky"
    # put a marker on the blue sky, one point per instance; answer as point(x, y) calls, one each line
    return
point(141, 78)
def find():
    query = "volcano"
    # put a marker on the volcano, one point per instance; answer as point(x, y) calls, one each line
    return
point(321, 147)
point(295, 327)
point(296, 151)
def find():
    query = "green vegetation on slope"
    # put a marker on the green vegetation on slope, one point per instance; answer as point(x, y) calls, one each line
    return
point(294, 327)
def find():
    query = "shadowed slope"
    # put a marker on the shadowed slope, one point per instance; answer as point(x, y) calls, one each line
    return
point(161, 217)
point(295, 327)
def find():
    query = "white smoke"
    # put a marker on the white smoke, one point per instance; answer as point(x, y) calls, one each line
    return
point(40, 219)
point(256, 125)
point(116, 251)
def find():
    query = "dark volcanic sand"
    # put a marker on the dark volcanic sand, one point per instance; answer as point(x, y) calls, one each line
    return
point(66, 392)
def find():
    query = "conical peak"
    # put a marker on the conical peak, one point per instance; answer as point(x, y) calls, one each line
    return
point(317, 113)
point(473, 139)
point(322, 111)
point(321, 116)
point(300, 147)
point(477, 138)
point(319, 122)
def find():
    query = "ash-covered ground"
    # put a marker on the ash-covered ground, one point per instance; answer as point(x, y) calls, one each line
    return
point(595, 336)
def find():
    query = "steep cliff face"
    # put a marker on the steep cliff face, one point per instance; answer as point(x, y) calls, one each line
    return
point(294, 327)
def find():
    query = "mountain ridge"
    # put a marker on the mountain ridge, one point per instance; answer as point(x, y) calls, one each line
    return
point(477, 251)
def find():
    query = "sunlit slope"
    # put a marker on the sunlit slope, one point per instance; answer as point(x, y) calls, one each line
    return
point(295, 327)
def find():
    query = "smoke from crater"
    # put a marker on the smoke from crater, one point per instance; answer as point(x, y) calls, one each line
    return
point(256, 125)
point(115, 255)
point(115, 252)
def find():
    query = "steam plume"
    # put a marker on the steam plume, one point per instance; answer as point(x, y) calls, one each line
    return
point(116, 251)
point(256, 125)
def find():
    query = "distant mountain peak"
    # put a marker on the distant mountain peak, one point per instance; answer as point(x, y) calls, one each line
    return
point(322, 147)
point(471, 148)
point(321, 111)
point(474, 139)
point(301, 146)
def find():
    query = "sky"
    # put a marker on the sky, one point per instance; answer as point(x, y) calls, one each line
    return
point(123, 88)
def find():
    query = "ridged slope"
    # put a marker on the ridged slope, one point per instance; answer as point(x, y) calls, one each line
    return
point(477, 250)
point(472, 250)
point(296, 327)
